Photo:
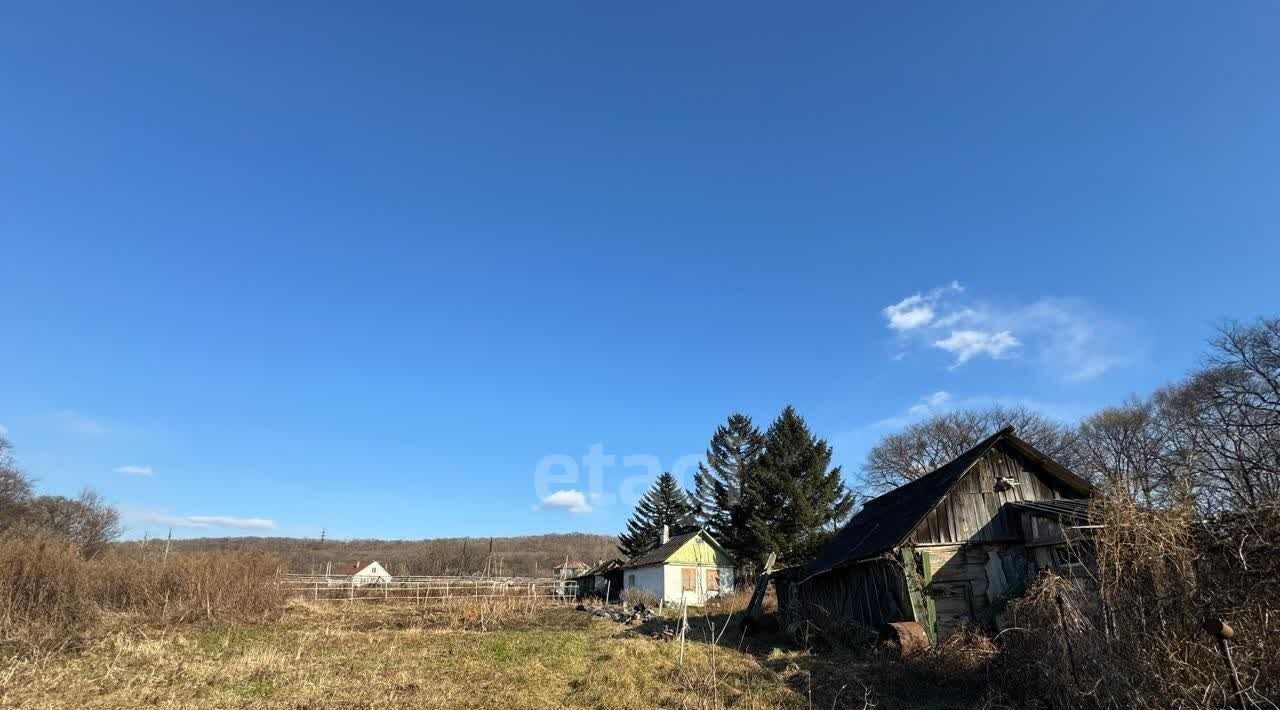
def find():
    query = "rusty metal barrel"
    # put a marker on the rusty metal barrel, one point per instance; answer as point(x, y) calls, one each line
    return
point(905, 638)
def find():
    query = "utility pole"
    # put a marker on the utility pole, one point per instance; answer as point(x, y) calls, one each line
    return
point(322, 532)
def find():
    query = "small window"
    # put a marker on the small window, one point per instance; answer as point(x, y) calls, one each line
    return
point(713, 580)
point(689, 580)
point(631, 580)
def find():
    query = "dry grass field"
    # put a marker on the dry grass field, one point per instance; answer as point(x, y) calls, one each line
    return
point(391, 657)
point(321, 657)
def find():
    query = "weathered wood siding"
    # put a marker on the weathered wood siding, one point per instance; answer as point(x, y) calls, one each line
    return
point(966, 580)
point(872, 594)
point(972, 512)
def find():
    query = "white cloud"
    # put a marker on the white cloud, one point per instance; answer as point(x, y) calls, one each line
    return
point(968, 344)
point(909, 313)
point(1064, 337)
point(135, 470)
point(209, 521)
point(917, 310)
point(4, 430)
point(571, 500)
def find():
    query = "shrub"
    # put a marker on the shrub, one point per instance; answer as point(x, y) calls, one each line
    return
point(48, 591)
point(42, 584)
point(1133, 637)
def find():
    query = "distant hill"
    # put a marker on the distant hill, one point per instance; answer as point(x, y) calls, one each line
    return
point(532, 555)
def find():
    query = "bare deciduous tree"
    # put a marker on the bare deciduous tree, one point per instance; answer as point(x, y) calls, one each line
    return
point(15, 488)
point(926, 445)
point(1126, 447)
point(87, 521)
point(1225, 419)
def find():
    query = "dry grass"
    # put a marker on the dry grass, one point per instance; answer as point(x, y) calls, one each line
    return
point(51, 597)
point(1133, 638)
point(383, 656)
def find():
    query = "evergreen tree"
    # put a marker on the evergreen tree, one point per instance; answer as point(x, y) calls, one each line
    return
point(720, 480)
point(666, 503)
point(793, 501)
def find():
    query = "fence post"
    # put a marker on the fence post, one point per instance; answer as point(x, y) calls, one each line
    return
point(1219, 629)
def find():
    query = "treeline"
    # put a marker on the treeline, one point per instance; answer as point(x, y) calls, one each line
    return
point(524, 556)
point(1210, 440)
point(86, 521)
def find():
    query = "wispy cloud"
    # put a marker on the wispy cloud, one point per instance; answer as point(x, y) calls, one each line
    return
point(942, 402)
point(571, 500)
point(926, 406)
point(76, 423)
point(209, 521)
point(1066, 337)
point(4, 430)
point(135, 470)
point(968, 344)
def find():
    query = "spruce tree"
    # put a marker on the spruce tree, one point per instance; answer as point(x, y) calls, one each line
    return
point(720, 480)
point(665, 503)
point(794, 501)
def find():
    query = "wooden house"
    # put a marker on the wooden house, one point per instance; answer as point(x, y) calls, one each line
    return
point(690, 567)
point(948, 548)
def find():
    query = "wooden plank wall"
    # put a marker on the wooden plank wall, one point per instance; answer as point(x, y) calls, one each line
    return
point(972, 511)
point(872, 594)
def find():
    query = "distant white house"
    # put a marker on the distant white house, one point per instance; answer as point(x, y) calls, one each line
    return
point(691, 567)
point(362, 573)
point(568, 572)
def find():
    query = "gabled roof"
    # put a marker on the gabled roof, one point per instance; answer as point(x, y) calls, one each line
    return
point(573, 564)
point(662, 553)
point(603, 568)
point(886, 521)
point(346, 569)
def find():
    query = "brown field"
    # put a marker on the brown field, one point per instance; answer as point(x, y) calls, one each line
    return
point(491, 654)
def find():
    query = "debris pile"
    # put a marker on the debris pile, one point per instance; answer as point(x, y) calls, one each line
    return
point(637, 614)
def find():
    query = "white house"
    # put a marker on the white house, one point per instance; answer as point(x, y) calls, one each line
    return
point(568, 572)
point(691, 567)
point(362, 574)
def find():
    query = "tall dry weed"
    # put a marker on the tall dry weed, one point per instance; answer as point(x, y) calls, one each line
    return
point(1132, 635)
point(49, 593)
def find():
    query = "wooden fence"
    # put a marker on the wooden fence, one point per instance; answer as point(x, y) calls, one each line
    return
point(421, 590)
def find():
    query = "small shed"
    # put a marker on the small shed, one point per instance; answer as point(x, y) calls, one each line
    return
point(690, 567)
point(363, 573)
point(605, 578)
point(947, 548)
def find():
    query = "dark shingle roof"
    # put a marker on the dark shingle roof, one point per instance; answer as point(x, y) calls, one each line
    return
point(602, 568)
point(660, 553)
point(884, 522)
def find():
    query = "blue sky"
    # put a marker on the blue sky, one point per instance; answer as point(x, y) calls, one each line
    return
point(397, 271)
